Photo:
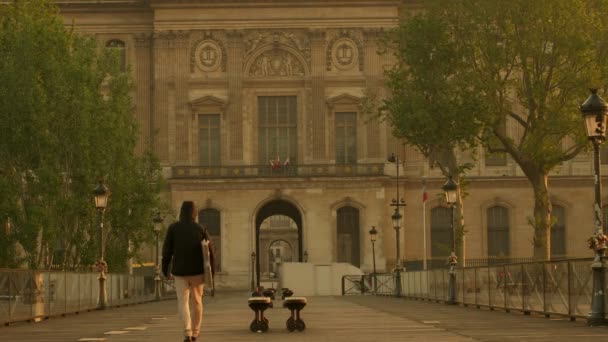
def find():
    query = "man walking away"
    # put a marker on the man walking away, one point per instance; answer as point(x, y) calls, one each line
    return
point(183, 251)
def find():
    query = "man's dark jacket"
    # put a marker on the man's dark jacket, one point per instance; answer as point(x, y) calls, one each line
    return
point(183, 251)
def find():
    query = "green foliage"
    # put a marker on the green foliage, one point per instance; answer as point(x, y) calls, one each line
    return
point(532, 62)
point(66, 121)
point(430, 90)
point(507, 74)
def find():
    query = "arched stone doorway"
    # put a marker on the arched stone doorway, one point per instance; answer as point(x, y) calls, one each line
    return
point(279, 252)
point(273, 208)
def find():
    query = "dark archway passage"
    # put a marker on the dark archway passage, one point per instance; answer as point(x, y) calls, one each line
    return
point(276, 207)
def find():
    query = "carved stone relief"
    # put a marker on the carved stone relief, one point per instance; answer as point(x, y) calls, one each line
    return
point(345, 50)
point(207, 54)
point(297, 39)
point(181, 38)
point(164, 39)
point(275, 63)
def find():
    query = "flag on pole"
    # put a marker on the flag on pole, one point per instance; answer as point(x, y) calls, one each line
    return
point(275, 164)
point(425, 195)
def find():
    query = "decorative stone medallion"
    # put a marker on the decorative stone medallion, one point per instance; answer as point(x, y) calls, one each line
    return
point(208, 56)
point(345, 54)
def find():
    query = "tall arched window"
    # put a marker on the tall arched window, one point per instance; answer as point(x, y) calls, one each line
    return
point(348, 236)
point(498, 231)
point(441, 232)
point(558, 232)
point(120, 47)
point(210, 219)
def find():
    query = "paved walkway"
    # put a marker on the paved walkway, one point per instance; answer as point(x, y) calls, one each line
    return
point(352, 319)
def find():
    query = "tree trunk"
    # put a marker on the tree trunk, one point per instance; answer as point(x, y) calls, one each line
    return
point(542, 216)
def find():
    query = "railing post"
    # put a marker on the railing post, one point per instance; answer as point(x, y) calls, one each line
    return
point(428, 285)
point(362, 284)
point(434, 285)
point(110, 285)
point(65, 291)
point(475, 286)
point(10, 297)
point(463, 289)
point(79, 290)
point(30, 290)
point(422, 292)
point(544, 288)
point(504, 284)
point(489, 289)
point(446, 288)
point(570, 313)
point(343, 290)
point(523, 286)
point(47, 294)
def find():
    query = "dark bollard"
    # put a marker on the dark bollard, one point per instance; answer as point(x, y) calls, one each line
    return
point(286, 293)
point(259, 305)
point(269, 293)
point(295, 305)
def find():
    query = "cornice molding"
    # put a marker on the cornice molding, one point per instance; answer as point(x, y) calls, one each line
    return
point(505, 182)
point(102, 5)
point(272, 3)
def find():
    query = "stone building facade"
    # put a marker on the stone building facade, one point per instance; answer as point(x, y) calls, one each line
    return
point(254, 109)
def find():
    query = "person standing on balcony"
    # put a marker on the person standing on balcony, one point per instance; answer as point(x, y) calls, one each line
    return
point(183, 259)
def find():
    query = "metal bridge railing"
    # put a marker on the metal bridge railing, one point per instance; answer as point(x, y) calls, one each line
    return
point(33, 295)
point(562, 287)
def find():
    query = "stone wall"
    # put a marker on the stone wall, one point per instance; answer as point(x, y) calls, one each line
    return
point(208, 57)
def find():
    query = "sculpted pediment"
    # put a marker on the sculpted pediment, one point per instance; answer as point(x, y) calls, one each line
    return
point(343, 99)
point(208, 101)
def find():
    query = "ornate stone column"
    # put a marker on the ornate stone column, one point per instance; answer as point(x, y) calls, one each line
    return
point(372, 71)
point(319, 107)
point(143, 88)
point(234, 115)
point(183, 116)
point(163, 41)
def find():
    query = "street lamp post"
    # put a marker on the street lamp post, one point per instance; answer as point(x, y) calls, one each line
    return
point(101, 194)
point(396, 218)
point(451, 195)
point(373, 234)
point(252, 271)
point(595, 111)
point(158, 226)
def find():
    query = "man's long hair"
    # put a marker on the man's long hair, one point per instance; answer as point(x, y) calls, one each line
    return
point(186, 213)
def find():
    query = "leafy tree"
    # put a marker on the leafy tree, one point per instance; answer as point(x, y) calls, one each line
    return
point(527, 64)
point(66, 121)
point(430, 94)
